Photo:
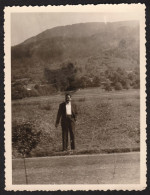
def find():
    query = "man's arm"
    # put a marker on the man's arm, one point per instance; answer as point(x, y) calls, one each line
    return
point(58, 116)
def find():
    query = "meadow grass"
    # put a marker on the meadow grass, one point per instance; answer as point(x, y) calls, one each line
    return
point(106, 120)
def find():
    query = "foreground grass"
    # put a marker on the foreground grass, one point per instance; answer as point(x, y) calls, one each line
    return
point(105, 120)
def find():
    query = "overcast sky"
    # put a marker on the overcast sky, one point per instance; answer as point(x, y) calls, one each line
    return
point(26, 25)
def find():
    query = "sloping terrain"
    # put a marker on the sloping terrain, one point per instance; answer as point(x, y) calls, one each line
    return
point(91, 47)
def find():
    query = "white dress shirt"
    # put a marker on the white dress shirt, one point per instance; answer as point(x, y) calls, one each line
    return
point(68, 108)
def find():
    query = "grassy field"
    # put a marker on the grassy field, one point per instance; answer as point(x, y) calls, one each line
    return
point(106, 120)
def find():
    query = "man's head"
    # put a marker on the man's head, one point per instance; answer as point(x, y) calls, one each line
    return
point(68, 98)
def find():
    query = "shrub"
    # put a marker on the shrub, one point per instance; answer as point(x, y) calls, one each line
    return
point(136, 85)
point(25, 137)
point(118, 86)
point(96, 82)
point(18, 91)
point(107, 86)
point(127, 85)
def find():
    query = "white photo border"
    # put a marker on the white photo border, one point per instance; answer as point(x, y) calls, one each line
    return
point(126, 8)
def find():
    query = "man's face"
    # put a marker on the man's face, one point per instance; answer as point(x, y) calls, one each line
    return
point(68, 98)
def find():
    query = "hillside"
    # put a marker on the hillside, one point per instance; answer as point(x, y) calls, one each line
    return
point(91, 47)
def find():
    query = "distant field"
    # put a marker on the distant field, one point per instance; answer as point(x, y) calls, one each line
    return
point(106, 120)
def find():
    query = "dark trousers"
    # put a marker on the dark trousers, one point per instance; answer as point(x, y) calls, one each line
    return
point(68, 126)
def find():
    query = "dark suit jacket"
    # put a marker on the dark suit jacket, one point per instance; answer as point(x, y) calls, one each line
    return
point(62, 113)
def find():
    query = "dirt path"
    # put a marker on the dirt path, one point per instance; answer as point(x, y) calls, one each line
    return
point(120, 168)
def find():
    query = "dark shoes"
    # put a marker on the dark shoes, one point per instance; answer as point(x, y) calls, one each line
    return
point(69, 151)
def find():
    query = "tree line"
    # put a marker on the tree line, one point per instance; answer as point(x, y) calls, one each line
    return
point(67, 78)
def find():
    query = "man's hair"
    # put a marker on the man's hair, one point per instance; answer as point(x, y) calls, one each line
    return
point(68, 94)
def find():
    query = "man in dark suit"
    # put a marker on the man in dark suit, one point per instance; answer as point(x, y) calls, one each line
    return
point(67, 112)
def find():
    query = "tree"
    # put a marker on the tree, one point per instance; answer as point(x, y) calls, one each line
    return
point(25, 138)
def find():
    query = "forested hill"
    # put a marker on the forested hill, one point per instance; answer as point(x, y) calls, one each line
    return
point(91, 47)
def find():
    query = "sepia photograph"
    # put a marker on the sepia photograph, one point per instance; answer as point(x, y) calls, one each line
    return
point(75, 97)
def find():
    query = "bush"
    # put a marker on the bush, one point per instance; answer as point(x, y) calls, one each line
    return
point(96, 82)
point(107, 86)
point(127, 85)
point(24, 137)
point(136, 84)
point(118, 86)
point(18, 91)
point(32, 93)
